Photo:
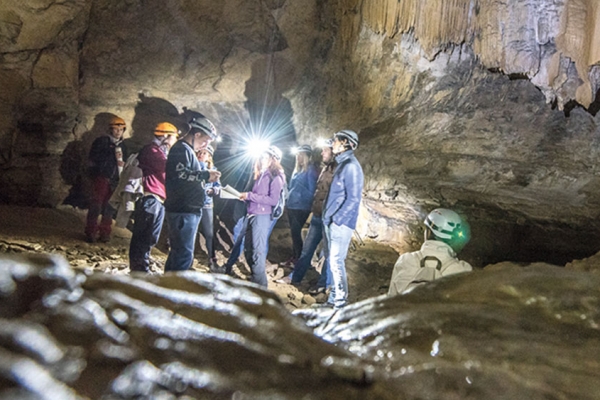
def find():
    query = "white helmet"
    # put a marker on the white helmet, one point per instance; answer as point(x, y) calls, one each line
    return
point(444, 223)
point(275, 152)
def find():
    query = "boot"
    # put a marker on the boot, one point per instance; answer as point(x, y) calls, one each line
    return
point(214, 267)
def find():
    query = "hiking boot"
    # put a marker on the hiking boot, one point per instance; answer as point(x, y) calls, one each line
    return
point(104, 238)
point(90, 238)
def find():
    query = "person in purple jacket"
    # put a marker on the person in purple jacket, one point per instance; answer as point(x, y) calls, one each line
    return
point(268, 184)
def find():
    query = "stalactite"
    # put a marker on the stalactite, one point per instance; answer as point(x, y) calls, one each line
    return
point(580, 41)
point(505, 35)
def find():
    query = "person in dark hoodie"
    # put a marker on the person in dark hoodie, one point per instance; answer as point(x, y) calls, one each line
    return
point(149, 210)
point(105, 162)
point(185, 190)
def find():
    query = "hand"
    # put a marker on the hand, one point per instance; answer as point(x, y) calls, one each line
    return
point(210, 192)
point(244, 196)
point(214, 176)
point(120, 163)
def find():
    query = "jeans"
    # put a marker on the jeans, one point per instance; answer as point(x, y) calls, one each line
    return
point(101, 192)
point(207, 229)
point(257, 240)
point(239, 236)
point(338, 240)
point(148, 216)
point(297, 220)
point(183, 228)
point(313, 238)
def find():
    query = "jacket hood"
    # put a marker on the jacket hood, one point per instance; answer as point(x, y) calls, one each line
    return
point(440, 250)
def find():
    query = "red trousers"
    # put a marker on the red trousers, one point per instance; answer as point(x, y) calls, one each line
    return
point(101, 192)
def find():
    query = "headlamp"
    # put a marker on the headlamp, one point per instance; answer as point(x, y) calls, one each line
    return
point(256, 147)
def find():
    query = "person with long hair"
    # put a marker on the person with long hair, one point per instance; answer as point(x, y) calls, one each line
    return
point(212, 189)
point(300, 198)
point(269, 180)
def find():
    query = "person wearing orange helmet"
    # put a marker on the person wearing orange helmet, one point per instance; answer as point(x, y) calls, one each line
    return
point(105, 161)
point(149, 211)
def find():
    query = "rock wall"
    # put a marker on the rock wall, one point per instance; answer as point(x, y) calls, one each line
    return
point(488, 107)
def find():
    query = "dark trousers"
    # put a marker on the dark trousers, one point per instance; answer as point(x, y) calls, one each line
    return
point(101, 192)
point(183, 228)
point(148, 218)
point(255, 249)
point(207, 229)
point(297, 220)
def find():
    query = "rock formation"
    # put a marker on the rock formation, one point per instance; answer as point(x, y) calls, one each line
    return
point(502, 333)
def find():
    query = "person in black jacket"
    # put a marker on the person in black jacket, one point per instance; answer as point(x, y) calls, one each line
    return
point(105, 162)
point(185, 191)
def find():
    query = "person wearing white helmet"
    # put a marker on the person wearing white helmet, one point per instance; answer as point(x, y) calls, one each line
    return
point(185, 181)
point(340, 212)
point(445, 234)
point(268, 184)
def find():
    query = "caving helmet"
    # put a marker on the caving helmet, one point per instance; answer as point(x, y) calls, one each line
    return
point(275, 152)
point(166, 129)
point(197, 121)
point(305, 148)
point(210, 150)
point(350, 135)
point(445, 224)
point(118, 122)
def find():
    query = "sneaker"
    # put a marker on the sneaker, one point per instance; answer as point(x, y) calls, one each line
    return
point(315, 290)
point(285, 280)
point(289, 263)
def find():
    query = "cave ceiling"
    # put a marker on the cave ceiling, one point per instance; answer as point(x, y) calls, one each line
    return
point(488, 107)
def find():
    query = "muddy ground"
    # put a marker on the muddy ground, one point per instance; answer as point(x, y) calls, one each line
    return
point(27, 229)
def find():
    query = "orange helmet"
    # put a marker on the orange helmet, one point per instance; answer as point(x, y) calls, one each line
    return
point(165, 129)
point(117, 121)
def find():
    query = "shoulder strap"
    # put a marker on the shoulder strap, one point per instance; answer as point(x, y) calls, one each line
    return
point(431, 258)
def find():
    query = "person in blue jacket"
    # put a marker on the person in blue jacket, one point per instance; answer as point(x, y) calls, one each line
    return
point(340, 212)
point(300, 197)
point(212, 189)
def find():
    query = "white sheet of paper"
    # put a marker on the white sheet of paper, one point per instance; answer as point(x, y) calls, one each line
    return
point(229, 193)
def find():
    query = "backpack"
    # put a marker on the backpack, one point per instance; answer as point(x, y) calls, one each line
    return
point(277, 209)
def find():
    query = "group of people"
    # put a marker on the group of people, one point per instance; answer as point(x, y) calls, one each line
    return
point(179, 181)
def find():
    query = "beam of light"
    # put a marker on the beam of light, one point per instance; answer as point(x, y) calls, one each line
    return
point(294, 150)
point(255, 147)
point(323, 142)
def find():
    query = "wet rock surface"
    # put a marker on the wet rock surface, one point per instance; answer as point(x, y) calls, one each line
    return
point(503, 333)
point(68, 335)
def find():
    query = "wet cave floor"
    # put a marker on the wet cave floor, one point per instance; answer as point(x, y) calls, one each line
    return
point(60, 231)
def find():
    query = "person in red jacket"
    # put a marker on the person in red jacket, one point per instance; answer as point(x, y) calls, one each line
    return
point(149, 210)
point(105, 161)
